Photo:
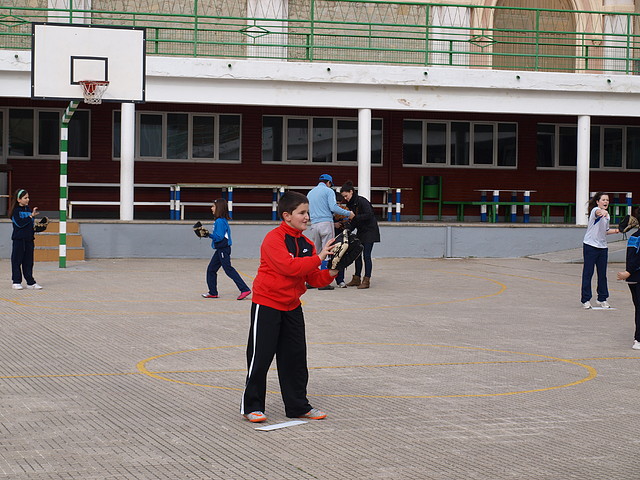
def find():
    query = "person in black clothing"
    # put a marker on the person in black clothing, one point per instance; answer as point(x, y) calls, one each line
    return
point(23, 241)
point(632, 277)
point(366, 228)
point(339, 221)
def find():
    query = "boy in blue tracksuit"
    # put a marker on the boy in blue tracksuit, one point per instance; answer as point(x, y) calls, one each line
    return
point(221, 243)
point(632, 277)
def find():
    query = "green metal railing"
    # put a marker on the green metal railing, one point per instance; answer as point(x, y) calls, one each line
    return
point(394, 33)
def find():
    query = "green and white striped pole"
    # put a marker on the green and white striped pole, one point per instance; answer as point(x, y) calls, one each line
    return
point(64, 149)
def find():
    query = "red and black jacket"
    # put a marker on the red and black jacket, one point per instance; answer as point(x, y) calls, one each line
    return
point(288, 260)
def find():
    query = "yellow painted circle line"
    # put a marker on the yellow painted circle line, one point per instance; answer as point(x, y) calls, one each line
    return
point(142, 367)
point(591, 372)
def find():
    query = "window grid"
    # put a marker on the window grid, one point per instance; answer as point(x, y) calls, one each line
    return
point(464, 151)
point(314, 126)
point(46, 140)
point(609, 149)
point(168, 151)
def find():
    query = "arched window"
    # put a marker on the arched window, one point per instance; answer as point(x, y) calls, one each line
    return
point(540, 40)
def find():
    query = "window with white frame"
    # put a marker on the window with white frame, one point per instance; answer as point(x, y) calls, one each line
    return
point(36, 133)
point(192, 137)
point(296, 139)
point(615, 147)
point(453, 143)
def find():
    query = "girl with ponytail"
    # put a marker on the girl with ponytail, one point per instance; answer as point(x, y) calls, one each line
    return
point(23, 241)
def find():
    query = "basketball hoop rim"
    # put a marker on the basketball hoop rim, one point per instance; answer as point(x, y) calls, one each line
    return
point(94, 82)
point(93, 90)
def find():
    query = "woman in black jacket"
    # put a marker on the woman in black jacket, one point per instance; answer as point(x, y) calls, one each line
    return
point(366, 228)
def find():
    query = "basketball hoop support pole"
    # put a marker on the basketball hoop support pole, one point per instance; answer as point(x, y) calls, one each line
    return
point(64, 149)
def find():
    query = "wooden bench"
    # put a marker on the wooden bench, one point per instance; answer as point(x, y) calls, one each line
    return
point(182, 205)
point(71, 203)
point(387, 198)
point(177, 210)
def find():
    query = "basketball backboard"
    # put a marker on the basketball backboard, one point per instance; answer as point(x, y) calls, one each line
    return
point(62, 55)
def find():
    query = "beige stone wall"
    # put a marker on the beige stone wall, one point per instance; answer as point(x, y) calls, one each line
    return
point(355, 31)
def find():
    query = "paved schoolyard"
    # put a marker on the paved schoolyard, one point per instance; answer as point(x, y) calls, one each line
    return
point(445, 369)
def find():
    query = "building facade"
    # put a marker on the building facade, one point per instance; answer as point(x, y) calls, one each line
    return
point(482, 94)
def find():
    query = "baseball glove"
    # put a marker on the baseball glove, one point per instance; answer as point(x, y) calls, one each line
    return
point(41, 226)
point(200, 231)
point(347, 248)
point(627, 223)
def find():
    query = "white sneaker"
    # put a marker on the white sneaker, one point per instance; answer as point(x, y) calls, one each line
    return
point(604, 304)
point(35, 286)
point(16, 286)
point(586, 305)
point(342, 285)
point(636, 345)
point(255, 417)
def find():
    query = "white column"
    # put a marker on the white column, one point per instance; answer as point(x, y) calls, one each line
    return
point(582, 169)
point(127, 148)
point(616, 43)
point(64, 17)
point(618, 5)
point(364, 153)
point(271, 29)
point(450, 33)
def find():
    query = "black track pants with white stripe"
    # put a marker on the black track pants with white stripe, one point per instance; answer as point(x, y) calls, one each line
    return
point(280, 334)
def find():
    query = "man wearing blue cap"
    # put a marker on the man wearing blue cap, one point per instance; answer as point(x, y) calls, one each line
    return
point(322, 206)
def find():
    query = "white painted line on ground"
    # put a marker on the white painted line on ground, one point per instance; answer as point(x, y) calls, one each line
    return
point(281, 425)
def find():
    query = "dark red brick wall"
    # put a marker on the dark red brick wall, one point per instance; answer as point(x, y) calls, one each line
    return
point(40, 176)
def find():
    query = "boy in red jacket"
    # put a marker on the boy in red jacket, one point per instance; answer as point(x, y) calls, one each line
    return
point(288, 260)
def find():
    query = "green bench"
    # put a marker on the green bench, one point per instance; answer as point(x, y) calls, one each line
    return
point(618, 211)
point(492, 210)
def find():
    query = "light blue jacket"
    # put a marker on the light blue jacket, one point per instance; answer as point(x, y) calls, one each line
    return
point(322, 204)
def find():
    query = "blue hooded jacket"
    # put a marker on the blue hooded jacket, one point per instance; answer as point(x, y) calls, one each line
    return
point(22, 223)
point(221, 234)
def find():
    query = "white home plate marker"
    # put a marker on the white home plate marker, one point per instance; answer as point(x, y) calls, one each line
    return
point(281, 425)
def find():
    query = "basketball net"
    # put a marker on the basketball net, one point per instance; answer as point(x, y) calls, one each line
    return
point(93, 90)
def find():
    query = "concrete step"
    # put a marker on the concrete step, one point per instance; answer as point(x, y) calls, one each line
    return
point(47, 239)
point(54, 227)
point(47, 243)
point(51, 254)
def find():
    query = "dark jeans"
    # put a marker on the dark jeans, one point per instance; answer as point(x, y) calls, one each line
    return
point(22, 261)
point(222, 258)
point(594, 257)
point(635, 296)
point(368, 264)
point(280, 334)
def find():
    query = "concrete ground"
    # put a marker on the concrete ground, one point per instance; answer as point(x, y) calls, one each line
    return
point(444, 369)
